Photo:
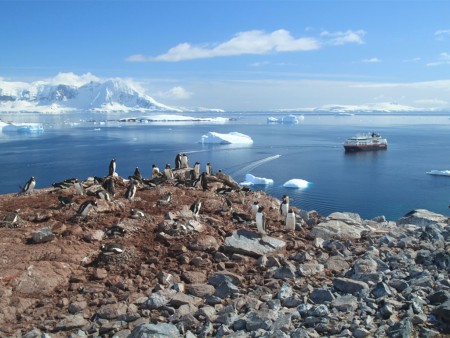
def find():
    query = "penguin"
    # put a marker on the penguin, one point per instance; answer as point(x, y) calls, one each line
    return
point(168, 172)
point(184, 161)
point(209, 169)
point(65, 201)
point(177, 161)
point(79, 190)
point(109, 186)
point(61, 185)
point(137, 174)
point(12, 220)
point(240, 217)
point(98, 180)
point(284, 207)
point(255, 207)
point(112, 249)
point(115, 230)
point(227, 205)
point(290, 220)
point(112, 167)
point(29, 186)
point(85, 207)
point(166, 199)
point(196, 170)
point(155, 171)
point(261, 221)
point(103, 195)
point(203, 181)
point(195, 207)
point(131, 190)
point(136, 213)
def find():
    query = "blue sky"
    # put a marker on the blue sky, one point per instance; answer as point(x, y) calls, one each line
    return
point(239, 55)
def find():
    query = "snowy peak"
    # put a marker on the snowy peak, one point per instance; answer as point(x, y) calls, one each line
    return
point(97, 95)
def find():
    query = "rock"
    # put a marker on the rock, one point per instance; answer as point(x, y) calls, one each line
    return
point(71, 322)
point(194, 277)
point(346, 303)
point(155, 331)
point(320, 296)
point(112, 311)
point(337, 264)
point(342, 229)
point(42, 235)
point(256, 320)
point(252, 244)
point(203, 243)
point(439, 297)
point(310, 269)
point(347, 285)
point(422, 218)
point(180, 298)
point(200, 290)
point(443, 311)
point(217, 278)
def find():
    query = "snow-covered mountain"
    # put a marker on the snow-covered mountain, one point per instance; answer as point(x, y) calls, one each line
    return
point(95, 95)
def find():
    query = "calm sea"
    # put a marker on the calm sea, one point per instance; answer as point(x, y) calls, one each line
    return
point(388, 183)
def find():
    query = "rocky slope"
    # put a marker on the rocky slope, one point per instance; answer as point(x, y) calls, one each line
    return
point(184, 275)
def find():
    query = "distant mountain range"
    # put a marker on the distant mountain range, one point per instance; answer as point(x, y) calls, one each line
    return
point(103, 96)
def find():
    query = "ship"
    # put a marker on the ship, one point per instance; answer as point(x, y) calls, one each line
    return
point(365, 142)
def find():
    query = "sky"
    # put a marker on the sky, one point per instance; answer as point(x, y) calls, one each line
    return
point(239, 55)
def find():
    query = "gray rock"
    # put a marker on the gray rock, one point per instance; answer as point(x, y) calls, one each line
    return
point(71, 322)
point(226, 289)
point(112, 311)
point(285, 291)
point(291, 302)
point(42, 235)
point(402, 329)
point(439, 297)
point(200, 290)
point(122, 334)
point(320, 296)
point(351, 286)
point(256, 320)
point(337, 264)
point(180, 298)
point(381, 290)
point(284, 272)
point(320, 310)
point(310, 269)
point(252, 244)
point(422, 218)
point(217, 278)
point(443, 311)
point(155, 301)
point(346, 303)
point(155, 331)
point(339, 227)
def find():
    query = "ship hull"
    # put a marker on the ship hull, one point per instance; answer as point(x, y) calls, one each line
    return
point(355, 148)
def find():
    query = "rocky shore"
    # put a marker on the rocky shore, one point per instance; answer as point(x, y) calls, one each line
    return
point(150, 267)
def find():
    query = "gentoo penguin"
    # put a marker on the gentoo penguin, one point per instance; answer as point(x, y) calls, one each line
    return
point(284, 207)
point(85, 207)
point(103, 195)
point(112, 249)
point(227, 205)
point(155, 171)
point(178, 161)
point(137, 174)
point(203, 181)
point(196, 170)
point(255, 207)
point(240, 217)
point(29, 186)
point(79, 190)
point(136, 213)
point(165, 199)
point(290, 220)
point(131, 190)
point(115, 230)
point(184, 161)
point(168, 172)
point(12, 219)
point(195, 207)
point(109, 186)
point(261, 221)
point(61, 185)
point(112, 167)
point(65, 201)
point(208, 169)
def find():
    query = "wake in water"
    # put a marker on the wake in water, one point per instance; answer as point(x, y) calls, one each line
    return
point(254, 165)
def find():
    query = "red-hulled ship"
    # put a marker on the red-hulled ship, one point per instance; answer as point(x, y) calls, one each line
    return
point(365, 142)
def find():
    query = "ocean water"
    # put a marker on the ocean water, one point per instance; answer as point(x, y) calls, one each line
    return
point(389, 183)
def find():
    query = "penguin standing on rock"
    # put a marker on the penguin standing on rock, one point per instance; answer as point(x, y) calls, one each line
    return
point(184, 161)
point(103, 195)
point(155, 171)
point(209, 169)
point(255, 207)
point(195, 207)
point(109, 186)
point(131, 191)
point(166, 199)
point(178, 161)
point(112, 167)
point(85, 207)
point(203, 181)
point(261, 221)
point(137, 174)
point(168, 172)
point(65, 201)
point(29, 186)
point(284, 207)
point(290, 220)
point(196, 170)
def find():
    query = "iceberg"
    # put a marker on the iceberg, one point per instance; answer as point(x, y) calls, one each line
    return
point(230, 138)
point(21, 127)
point(297, 183)
point(439, 172)
point(253, 180)
point(182, 118)
point(293, 119)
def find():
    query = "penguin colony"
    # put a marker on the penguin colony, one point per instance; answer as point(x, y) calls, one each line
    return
point(254, 215)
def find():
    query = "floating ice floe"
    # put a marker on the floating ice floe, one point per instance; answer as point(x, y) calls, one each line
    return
point(439, 172)
point(253, 180)
point(230, 138)
point(296, 183)
point(286, 119)
point(21, 127)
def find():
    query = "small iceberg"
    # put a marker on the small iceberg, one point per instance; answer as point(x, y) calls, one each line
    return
point(439, 172)
point(182, 118)
point(291, 119)
point(230, 138)
point(22, 127)
point(297, 183)
point(253, 180)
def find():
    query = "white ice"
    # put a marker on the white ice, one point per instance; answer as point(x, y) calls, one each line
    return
point(296, 183)
point(439, 172)
point(293, 119)
point(253, 180)
point(230, 138)
point(182, 118)
point(21, 127)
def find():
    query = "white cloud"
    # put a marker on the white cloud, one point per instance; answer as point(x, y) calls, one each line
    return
point(342, 38)
point(72, 79)
point(432, 102)
point(371, 60)
point(252, 42)
point(442, 34)
point(444, 59)
point(176, 93)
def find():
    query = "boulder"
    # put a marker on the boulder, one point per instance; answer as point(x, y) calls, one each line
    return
point(422, 218)
point(252, 244)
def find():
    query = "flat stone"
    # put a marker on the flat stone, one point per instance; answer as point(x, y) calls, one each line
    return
point(194, 277)
point(422, 218)
point(252, 244)
point(346, 303)
point(443, 311)
point(319, 296)
point(42, 235)
point(348, 285)
point(71, 322)
point(203, 243)
point(200, 290)
point(337, 229)
point(155, 331)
